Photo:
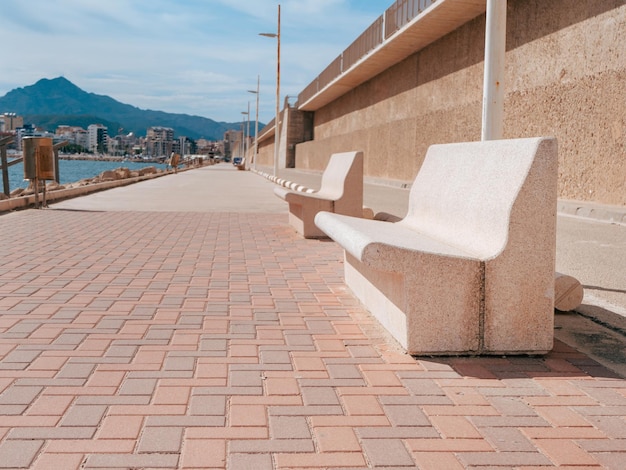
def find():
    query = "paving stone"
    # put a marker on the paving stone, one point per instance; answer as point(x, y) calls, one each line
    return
point(203, 454)
point(160, 439)
point(54, 461)
point(289, 427)
point(19, 395)
point(337, 439)
point(406, 415)
point(120, 427)
point(508, 439)
point(211, 340)
point(138, 387)
point(45, 433)
point(319, 396)
point(387, 452)
point(272, 446)
point(19, 454)
point(111, 461)
point(76, 371)
point(206, 405)
point(250, 461)
point(511, 459)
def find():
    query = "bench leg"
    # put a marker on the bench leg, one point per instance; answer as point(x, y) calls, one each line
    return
point(302, 218)
point(433, 311)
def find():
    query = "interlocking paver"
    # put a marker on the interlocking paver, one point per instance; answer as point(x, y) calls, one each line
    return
point(20, 453)
point(213, 340)
point(337, 439)
point(203, 454)
point(162, 439)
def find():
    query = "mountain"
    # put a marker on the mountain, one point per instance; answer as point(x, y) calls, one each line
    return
point(52, 102)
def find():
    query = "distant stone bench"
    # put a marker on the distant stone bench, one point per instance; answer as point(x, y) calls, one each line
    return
point(341, 192)
point(470, 269)
point(239, 163)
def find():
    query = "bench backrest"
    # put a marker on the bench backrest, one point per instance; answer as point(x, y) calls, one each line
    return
point(464, 193)
point(342, 181)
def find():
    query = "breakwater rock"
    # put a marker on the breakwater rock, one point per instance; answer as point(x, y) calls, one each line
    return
point(117, 174)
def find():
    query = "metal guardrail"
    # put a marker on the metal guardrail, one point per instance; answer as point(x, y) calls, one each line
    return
point(402, 12)
point(329, 74)
point(394, 18)
point(368, 40)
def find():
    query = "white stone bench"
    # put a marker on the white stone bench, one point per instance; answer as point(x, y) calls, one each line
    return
point(470, 269)
point(241, 165)
point(341, 192)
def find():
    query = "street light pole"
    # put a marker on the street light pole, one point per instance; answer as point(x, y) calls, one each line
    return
point(248, 133)
point(256, 120)
point(276, 120)
point(244, 142)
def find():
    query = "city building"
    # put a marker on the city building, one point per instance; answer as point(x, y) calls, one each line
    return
point(9, 122)
point(98, 138)
point(159, 141)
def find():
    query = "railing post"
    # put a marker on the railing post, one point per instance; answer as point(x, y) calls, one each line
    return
point(55, 149)
point(4, 164)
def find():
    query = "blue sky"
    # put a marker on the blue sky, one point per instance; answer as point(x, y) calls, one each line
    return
point(196, 57)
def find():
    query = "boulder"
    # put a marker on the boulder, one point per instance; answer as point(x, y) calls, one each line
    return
point(122, 173)
point(108, 175)
point(54, 186)
point(148, 170)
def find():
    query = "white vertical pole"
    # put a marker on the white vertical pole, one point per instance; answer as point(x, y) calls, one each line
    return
point(277, 121)
point(256, 121)
point(493, 84)
point(247, 164)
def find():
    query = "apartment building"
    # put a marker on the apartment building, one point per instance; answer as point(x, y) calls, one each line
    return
point(98, 138)
point(159, 141)
point(9, 122)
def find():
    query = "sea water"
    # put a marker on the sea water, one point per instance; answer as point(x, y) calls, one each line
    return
point(71, 171)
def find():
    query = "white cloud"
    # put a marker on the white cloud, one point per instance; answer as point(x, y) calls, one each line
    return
point(195, 57)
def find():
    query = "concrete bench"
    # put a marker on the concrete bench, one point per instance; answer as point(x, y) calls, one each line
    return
point(240, 163)
point(470, 269)
point(341, 192)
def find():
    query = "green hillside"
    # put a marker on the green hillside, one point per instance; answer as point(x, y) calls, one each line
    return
point(52, 102)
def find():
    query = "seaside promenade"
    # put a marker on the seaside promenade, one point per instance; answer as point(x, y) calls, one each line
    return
point(181, 323)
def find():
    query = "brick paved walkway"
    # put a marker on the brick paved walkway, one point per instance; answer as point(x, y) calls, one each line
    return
point(222, 340)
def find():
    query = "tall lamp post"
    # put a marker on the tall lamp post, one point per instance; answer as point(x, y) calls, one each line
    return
point(256, 120)
point(243, 130)
point(276, 123)
point(248, 132)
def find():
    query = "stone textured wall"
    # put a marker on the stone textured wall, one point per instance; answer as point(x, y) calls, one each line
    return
point(565, 76)
point(265, 156)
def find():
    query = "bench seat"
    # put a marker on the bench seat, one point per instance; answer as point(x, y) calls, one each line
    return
point(470, 269)
point(341, 192)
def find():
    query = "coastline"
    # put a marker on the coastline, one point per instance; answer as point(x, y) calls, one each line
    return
point(28, 201)
point(106, 180)
point(109, 158)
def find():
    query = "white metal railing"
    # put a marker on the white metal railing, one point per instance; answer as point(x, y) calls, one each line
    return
point(394, 18)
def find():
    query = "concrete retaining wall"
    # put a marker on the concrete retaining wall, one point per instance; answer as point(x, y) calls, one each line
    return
point(566, 77)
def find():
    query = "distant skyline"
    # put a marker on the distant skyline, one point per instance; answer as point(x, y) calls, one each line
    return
point(195, 57)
